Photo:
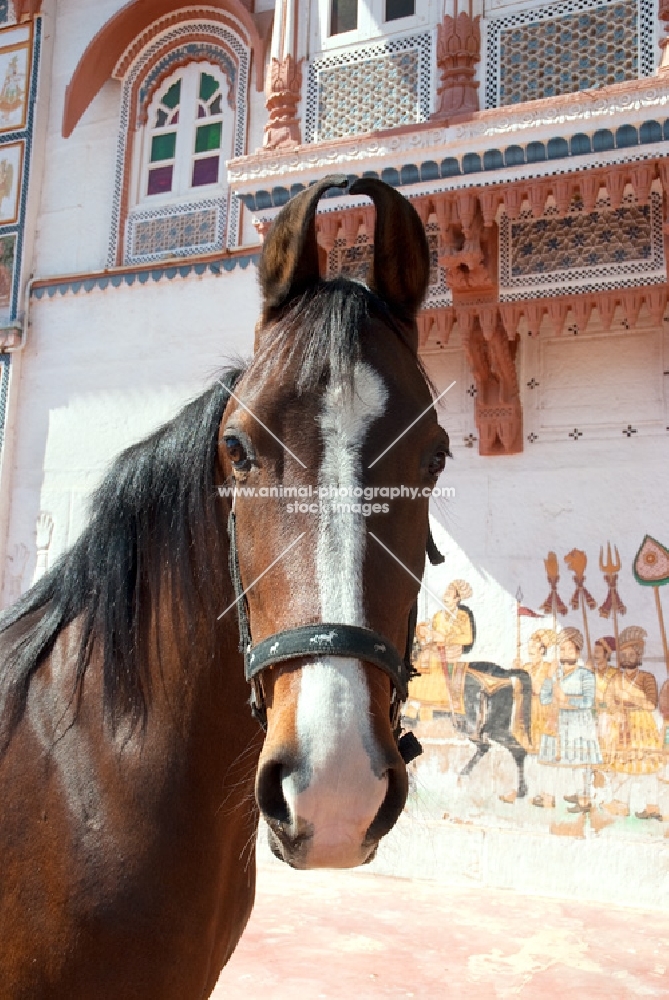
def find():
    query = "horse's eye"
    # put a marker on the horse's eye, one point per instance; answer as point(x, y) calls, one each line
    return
point(236, 451)
point(438, 463)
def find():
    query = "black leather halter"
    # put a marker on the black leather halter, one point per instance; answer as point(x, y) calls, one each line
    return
point(326, 639)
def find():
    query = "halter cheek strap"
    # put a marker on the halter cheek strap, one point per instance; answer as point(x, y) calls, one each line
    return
point(325, 639)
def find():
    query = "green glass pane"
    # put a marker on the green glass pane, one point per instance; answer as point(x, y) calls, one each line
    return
point(163, 146)
point(208, 86)
point(173, 95)
point(208, 137)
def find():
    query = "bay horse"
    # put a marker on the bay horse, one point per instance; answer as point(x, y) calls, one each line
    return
point(132, 773)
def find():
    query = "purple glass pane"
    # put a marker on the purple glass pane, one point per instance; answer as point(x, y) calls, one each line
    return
point(160, 180)
point(205, 171)
point(201, 112)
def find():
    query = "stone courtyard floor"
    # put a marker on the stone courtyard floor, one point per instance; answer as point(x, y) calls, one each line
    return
point(360, 936)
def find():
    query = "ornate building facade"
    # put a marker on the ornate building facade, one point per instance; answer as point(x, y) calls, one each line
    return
point(145, 148)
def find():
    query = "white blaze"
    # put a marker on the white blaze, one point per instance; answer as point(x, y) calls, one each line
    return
point(333, 723)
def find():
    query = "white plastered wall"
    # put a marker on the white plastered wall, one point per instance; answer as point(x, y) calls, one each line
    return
point(102, 370)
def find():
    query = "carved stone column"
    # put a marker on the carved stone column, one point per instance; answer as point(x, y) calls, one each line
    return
point(283, 92)
point(283, 86)
point(458, 51)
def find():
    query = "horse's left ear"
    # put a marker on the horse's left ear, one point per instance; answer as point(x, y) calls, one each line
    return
point(400, 272)
point(289, 262)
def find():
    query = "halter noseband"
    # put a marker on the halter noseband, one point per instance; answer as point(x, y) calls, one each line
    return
point(327, 639)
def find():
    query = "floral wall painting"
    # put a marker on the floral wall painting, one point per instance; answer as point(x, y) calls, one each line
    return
point(569, 732)
point(11, 169)
point(14, 84)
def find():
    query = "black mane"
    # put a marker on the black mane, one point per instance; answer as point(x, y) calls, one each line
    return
point(156, 520)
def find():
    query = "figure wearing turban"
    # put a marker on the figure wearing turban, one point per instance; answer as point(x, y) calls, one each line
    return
point(453, 626)
point(572, 692)
point(636, 747)
point(604, 673)
point(540, 669)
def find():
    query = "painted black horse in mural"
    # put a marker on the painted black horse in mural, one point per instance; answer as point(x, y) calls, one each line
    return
point(497, 708)
point(489, 704)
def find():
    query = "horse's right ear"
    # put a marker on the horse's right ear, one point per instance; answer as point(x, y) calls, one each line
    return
point(289, 262)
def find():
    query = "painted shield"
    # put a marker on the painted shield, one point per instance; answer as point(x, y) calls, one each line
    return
point(651, 565)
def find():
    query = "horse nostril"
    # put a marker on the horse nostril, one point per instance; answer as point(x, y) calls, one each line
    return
point(269, 793)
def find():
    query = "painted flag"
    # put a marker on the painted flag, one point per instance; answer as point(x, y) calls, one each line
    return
point(528, 613)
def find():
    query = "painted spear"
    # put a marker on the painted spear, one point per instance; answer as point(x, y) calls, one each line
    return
point(553, 602)
point(613, 603)
point(577, 560)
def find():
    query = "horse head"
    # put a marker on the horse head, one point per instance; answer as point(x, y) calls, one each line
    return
point(332, 418)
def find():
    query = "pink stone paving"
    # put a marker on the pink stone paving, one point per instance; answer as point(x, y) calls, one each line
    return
point(325, 934)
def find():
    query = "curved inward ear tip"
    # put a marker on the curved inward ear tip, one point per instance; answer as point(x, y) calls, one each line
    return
point(333, 180)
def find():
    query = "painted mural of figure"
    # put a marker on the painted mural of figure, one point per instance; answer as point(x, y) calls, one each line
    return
point(544, 717)
point(11, 92)
point(444, 640)
point(454, 628)
point(572, 692)
point(604, 673)
point(429, 690)
point(663, 705)
point(540, 669)
point(636, 748)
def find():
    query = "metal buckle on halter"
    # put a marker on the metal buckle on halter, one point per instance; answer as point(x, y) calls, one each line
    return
point(257, 702)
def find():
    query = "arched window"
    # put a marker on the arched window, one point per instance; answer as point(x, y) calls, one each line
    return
point(184, 103)
point(178, 201)
point(187, 137)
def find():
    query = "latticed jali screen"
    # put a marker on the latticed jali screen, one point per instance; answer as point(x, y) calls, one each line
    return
point(368, 89)
point(567, 47)
point(588, 250)
point(179, 233)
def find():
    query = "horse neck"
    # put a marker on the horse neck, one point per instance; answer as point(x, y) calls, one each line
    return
point(193, 656)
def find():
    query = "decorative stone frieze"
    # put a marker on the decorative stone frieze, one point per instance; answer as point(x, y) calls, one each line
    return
point(427, 144)
point(528, 317)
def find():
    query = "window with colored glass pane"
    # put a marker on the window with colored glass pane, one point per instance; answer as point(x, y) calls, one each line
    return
point(164, 142)
point(185, 143)
point(205, 171)
point(208, 136)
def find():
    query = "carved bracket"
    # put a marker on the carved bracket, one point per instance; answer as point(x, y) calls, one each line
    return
point(283, 92)
point(498, 410)
point(458, 51)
